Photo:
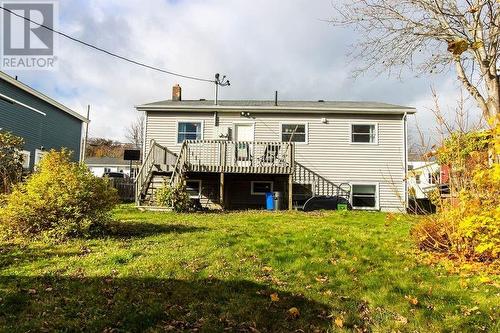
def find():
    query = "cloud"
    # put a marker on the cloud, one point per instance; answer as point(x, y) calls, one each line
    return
point(261, 45)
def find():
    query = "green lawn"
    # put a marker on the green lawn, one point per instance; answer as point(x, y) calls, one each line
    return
point(210, 272)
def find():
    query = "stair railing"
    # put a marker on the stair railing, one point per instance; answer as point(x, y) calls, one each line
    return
point(320, 185)
point(157, 155)
point(180, 165)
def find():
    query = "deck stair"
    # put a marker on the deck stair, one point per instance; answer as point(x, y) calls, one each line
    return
point(316, 185)
point(153, 172)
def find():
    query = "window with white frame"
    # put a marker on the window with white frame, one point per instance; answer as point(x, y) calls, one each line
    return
point(193, 188)
point(261, 187)
point(364, 195)
point(39, 154)
point(363, 133)
point(434, 177)
point(189, 130)
point(25, 156)
point(295, 132)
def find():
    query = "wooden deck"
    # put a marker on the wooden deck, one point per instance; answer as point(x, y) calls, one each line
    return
point(239, 157)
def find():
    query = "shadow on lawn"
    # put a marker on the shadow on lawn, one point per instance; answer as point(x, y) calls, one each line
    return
point(11, 254)
point(136, 229)
point(132, 304)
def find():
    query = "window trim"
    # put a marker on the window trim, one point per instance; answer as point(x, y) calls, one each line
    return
point(375, 141)
point(201, 121)
point(295, 123)
point(252, 192)
point(199, 191)
point(377, 195)
point(26, 152)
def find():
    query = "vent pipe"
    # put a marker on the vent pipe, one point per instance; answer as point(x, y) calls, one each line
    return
point(276, 98)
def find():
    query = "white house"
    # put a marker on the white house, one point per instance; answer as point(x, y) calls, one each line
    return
point(101, 165)
point(232, 153)
point(423, 177)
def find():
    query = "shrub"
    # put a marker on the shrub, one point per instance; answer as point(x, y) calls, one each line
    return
point(467, 225)
point(175, 197)
point(11, 167)
point(61, 199)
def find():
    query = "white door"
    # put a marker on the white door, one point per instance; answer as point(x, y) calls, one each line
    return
point(243, 150)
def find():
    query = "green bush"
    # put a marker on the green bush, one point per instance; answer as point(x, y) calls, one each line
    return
point(175, 197)
point(61, 199)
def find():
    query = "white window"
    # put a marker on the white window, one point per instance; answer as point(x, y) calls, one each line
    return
point(364, 196)
point(25, 156)
point(193, 188)
point(261, 187)
point(363, 133)
point(189, 130)
point(39, 154)
point(434, 178)
point(295, 132)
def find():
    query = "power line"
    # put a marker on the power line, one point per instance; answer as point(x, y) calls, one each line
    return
point(109, 52)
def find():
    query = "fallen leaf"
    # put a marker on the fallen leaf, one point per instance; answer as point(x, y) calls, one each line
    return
point(294, 312)
point(412, 300)
point(274, 297)
point(339, 322)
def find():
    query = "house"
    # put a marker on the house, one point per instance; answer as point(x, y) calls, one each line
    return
point(42, 122)
point(101, 165)
point(232, 153)
point(423, 177)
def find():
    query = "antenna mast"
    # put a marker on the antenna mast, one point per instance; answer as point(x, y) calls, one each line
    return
point(219, 82)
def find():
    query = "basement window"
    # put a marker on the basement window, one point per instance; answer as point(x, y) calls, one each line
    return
point(189, 130)
point(363, 133)
point(193, 188)
point(261, 187)
point(364, 196)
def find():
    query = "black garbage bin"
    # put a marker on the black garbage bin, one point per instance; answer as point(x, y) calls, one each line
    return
point(278, 200)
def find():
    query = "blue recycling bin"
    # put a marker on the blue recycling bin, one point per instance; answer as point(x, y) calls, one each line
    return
point(269, 201)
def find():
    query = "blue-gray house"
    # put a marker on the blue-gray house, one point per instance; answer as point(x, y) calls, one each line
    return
point(43, 122)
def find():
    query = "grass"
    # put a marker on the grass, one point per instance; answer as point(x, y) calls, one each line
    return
point(215, 272)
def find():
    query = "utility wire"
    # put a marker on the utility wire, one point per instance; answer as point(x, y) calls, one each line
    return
point(109, 52)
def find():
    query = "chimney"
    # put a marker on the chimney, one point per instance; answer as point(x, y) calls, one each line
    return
point(176, 93)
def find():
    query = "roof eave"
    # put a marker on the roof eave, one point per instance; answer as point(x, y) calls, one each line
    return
point(266, 109)
point(43, 97)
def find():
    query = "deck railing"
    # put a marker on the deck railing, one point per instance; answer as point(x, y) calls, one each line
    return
point(239, 156)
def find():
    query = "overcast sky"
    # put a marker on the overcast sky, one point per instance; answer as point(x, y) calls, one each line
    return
point(261, 45)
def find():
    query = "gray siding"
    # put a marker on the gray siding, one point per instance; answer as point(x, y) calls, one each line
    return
point(328, 151)
point(55, 130)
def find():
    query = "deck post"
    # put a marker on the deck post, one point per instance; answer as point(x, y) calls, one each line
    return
point(290, 189)
point(221, 190)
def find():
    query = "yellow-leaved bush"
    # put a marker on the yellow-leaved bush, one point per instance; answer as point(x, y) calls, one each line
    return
point(467, 225)
point(60, 199)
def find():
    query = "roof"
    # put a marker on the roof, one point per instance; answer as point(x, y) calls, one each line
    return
point(106, 161)
point(268, 106)
point(41, 96)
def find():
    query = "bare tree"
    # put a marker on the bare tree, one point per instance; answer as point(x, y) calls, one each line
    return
point(429, 36)
point(134, 133)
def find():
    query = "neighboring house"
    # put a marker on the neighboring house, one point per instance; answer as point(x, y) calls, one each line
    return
point(42, 122)
point(423, 177)
point(232, 153)
point(101, 165)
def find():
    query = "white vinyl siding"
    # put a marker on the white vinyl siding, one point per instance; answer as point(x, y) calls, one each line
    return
point(329, 151)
